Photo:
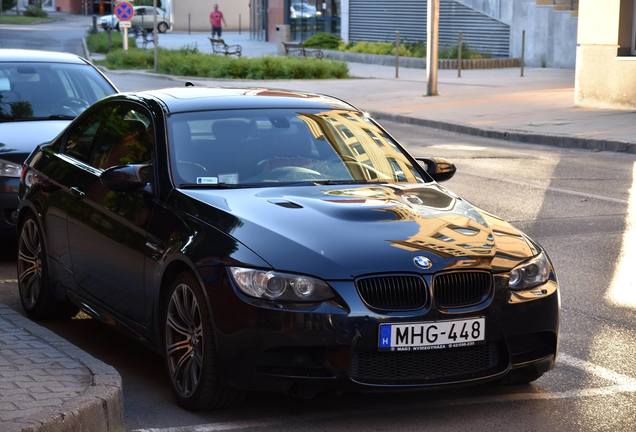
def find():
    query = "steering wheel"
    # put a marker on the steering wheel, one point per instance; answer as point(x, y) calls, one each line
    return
point(189, 166)
point(294, 170)
point(74, 105)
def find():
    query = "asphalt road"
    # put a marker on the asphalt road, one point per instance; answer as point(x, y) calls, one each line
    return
point(580, 205)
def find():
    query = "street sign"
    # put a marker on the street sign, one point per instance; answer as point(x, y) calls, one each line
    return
point(125, 24)
point(124, 11)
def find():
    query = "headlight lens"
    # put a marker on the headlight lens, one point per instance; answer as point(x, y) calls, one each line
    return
point(530, 273)
point(10, 169)
point(273, 285)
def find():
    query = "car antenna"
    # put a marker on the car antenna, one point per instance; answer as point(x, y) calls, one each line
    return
point(189, 84)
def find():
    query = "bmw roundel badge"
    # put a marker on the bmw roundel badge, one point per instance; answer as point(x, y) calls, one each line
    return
point(422, 262)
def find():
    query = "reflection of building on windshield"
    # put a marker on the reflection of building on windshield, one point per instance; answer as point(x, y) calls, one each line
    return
point(365, 149)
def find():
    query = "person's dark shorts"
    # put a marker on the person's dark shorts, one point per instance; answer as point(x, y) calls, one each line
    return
point(216, 31)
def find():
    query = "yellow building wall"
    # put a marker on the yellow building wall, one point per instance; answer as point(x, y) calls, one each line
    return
point(603, 78)
point(199, 11)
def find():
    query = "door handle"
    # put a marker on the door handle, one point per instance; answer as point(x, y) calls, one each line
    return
point(77, 192)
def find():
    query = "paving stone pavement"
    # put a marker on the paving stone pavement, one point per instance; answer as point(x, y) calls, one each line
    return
point(44, 381)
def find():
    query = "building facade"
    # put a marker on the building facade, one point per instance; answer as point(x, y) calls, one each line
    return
point(606, 54)
point(194, 14)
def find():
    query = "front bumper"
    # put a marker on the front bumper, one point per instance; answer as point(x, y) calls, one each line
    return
point(334, 345)
point(8, 205)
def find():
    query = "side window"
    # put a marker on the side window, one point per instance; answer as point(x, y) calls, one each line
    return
point(79, 141)
point(124, 137)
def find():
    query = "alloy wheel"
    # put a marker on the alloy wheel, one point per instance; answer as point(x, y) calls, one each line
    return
point(30, 259)
point(184, 340)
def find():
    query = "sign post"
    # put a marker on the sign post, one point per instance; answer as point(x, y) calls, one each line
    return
point(124, 12)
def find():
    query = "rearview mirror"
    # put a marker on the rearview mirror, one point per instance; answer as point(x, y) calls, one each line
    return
point(439, 168)
point(126, 178)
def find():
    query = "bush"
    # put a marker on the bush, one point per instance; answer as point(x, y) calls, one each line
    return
point(190, 62)
point(467, 53)
point(6, 4)
point(323, 40)
point(35, 11)
point(98, 42)
point(407, 49)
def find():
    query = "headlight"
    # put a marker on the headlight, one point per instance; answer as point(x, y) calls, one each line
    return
point(530, 273)
point(273, 285)
point(10, 169)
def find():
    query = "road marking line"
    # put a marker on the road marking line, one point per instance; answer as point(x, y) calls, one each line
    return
point(622, 384)
point(551, 189)
point(597, 370)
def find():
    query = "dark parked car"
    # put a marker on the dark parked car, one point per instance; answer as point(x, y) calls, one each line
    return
point(262, 239)
point(40, 93)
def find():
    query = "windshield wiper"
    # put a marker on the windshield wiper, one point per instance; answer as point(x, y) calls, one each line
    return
point(345, 182)
point(60, 117)
point(208, 186)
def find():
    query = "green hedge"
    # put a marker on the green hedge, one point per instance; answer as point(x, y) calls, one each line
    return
point(98, 42)
point(35, 11)
point(324, 41)
point(190, 62)
point(409, 49)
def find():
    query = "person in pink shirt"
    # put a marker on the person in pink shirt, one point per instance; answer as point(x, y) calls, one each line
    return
point(217, 21)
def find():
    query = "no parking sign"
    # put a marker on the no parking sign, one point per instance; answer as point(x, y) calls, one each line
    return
point(124, 12)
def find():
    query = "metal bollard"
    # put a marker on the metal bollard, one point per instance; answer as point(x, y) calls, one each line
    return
point(523, 52)
point(460, 46)
point(397, 54)
point(94, 23)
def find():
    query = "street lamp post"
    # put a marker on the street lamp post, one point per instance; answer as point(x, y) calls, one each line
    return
point(155, 37)
point(432, 45)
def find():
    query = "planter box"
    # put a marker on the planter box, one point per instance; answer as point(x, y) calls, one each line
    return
point(420, 63)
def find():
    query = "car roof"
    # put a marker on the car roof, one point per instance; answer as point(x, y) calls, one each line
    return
point(184, 99)
point(22, 55)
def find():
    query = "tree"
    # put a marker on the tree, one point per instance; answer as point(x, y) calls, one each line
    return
point(7, 4)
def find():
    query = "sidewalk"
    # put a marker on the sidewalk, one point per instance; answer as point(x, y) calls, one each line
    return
point(251, 48)
point(48, 384)
point(497, 103)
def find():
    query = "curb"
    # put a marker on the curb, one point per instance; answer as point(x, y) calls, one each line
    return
point(562, 141)
point(98, 409)
point(87, 53)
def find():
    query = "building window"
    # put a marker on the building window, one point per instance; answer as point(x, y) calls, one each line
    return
point(307, 17)
point(627, 28)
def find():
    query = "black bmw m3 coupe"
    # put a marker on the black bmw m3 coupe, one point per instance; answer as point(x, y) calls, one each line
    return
point(265, 239)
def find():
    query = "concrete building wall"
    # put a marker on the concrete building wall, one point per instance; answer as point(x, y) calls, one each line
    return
point(550, 33)
point(200, 10)
point(605, 65)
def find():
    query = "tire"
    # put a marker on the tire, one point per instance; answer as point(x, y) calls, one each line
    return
point(189, 348)
point(522, 376)
point(162, 27)
point(117, 27)
point(34, 285)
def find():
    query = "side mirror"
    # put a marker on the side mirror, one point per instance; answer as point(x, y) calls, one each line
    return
point(126, 178)
point(439, 168)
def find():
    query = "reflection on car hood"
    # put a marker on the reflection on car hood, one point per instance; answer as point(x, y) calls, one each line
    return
point(21, 137)
point(339, 232)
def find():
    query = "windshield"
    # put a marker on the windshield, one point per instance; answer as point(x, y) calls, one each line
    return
point(41, 91)
point(237, 148)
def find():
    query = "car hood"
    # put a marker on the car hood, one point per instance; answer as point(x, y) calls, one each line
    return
point(21, 137)
point(338, 232)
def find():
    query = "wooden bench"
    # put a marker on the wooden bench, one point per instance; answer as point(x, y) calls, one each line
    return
point(220, 47)
point(300, 49)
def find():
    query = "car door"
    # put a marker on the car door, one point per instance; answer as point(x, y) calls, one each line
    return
point(107, 229)
point(139, 20)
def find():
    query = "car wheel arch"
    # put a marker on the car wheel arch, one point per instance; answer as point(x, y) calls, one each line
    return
point(172, 269)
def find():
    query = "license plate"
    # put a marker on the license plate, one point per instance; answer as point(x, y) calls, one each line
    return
point(431, 335)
